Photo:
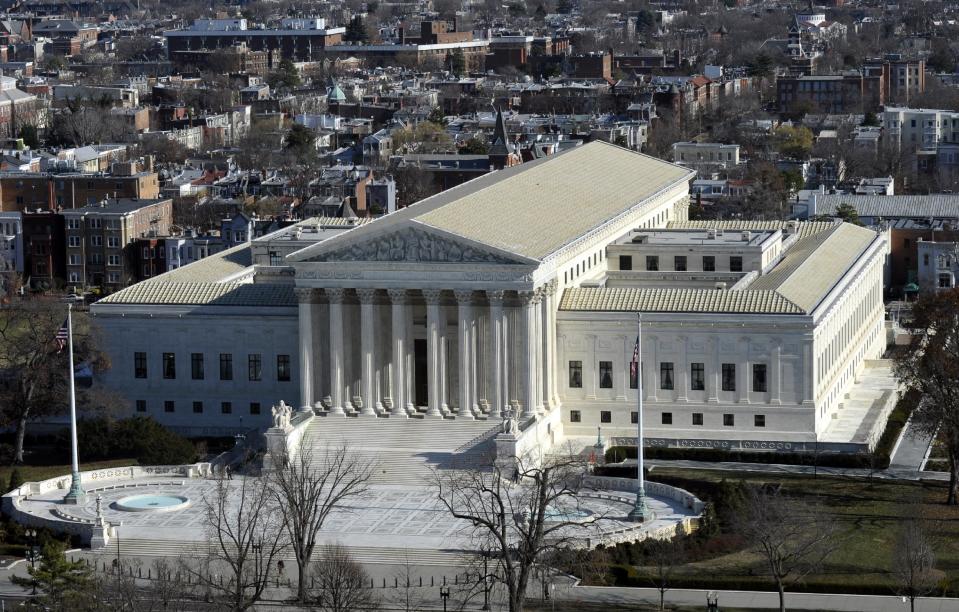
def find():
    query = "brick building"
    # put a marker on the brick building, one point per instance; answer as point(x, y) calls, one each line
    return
point(100, 239)
point(30, 191)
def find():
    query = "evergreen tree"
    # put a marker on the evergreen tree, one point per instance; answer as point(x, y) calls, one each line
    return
point(62, 584)
point(356, 31)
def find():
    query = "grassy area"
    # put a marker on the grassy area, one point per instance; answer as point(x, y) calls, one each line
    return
point(31, 473)
point(870, 512)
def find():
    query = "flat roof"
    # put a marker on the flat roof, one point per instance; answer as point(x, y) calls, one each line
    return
point(695, 237)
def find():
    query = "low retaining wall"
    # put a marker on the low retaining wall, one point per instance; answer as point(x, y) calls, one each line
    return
point(657, 489)
point(64, 521)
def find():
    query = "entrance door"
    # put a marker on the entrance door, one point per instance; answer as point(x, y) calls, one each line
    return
point(420, 384)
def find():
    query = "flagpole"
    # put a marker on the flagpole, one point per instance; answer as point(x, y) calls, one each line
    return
point(639, 513)
point(76, 494)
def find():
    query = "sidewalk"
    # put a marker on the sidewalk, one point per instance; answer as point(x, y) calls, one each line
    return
point(910, 453)
point(756, 599)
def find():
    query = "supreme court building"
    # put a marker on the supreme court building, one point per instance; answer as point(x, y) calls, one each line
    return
point(520, 289)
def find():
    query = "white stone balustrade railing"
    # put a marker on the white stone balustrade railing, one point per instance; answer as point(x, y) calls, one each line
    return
point(658, 489)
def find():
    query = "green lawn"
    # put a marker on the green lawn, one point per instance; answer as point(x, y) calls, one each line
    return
point(870, 513)
point(31, 473)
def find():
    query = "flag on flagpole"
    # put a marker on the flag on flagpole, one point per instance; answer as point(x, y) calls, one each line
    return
point(634, 364)
point(62, 336)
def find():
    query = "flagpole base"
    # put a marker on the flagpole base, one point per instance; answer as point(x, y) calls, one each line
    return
point(76, 495)
point(640, 512)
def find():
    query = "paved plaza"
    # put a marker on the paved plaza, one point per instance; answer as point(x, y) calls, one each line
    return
point(397, 517)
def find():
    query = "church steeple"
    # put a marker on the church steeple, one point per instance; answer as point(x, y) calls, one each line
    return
point(501, 148)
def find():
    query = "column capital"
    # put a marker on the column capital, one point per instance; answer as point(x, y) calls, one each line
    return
point(335, 295)
point(305, 295)
point(398, 296)
point(464, 296)
point(528, 297)
point(432, 296)
point(496, 296)
point(366, 295)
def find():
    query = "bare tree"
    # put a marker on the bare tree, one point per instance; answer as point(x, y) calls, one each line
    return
point(340, 583)
point(307, 488)
point(793, 538)
point(913, 563)
point(519, 513)
point(930, 368)
point(663, 557)
point(35, 376)
point(246, 539)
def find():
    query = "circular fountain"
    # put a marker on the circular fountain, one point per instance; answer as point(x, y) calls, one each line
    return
point(152, 503)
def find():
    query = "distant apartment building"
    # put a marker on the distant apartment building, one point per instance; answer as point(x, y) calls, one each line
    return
point(834, 93)
point(298, 39)
point(706, 156)
point(17, 108)
point(50, 191)
point(43, 249)
point(100, 239)
point(11, 243)
point(902, 79)
point(919, 128)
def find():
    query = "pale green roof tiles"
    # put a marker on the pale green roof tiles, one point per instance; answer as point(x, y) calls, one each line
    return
point(204, 294)
point(676, 300)
point(539, 209)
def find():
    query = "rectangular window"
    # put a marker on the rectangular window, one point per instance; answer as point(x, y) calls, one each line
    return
point(113, 260)
point(141, 405)
point(197, 407)
point(605, 416)
point(255, 367)
point(634, 417)
point(605, 374)
point(729, 377)
point(625, 262)
point(697, 377)
point(759, 377)
point(679, 263)
point(759, 420)
point(574, 416)
point(73, 241)
point(697, 418)
point(139, 365)
point(666, 375)
point(652, 263)
point(667, 418)
point(709, 263)
point(226, 366)
point(575, 374)
point(113, 242)
point(169, 406)
point(283, 368)
point(96, 241)
point(169, 365)
point(226, 407)
point(196, 366)
point(254, 407)
point(735, 263)
point(729, 420)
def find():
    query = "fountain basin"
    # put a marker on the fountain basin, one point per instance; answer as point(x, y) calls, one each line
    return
point(152, 503)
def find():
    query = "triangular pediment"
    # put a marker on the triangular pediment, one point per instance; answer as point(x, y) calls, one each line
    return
point(415, 243)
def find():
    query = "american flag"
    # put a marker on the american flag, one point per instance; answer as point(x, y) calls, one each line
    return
point(634, 364)
point(61, 338)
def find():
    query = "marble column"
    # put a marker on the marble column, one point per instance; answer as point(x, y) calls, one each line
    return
point(681, 373)
point(497, 359)
point(305, 301)
point(367, 341)
point(549, 343)
point(464, 302)
point(713, 382)
point(433, 353)
point(744, 373)
point(776, 380)
point(539, 344)
point(528, 303)
point(399, 313)
point(336, 349)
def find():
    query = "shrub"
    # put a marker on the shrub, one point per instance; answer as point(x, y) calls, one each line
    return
point(139, 437)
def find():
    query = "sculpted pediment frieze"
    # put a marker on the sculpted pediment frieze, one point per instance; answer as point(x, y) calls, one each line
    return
point(412, 245)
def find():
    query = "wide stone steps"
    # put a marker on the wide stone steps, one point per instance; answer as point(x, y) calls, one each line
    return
point(405, 451)
point(132, 548)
